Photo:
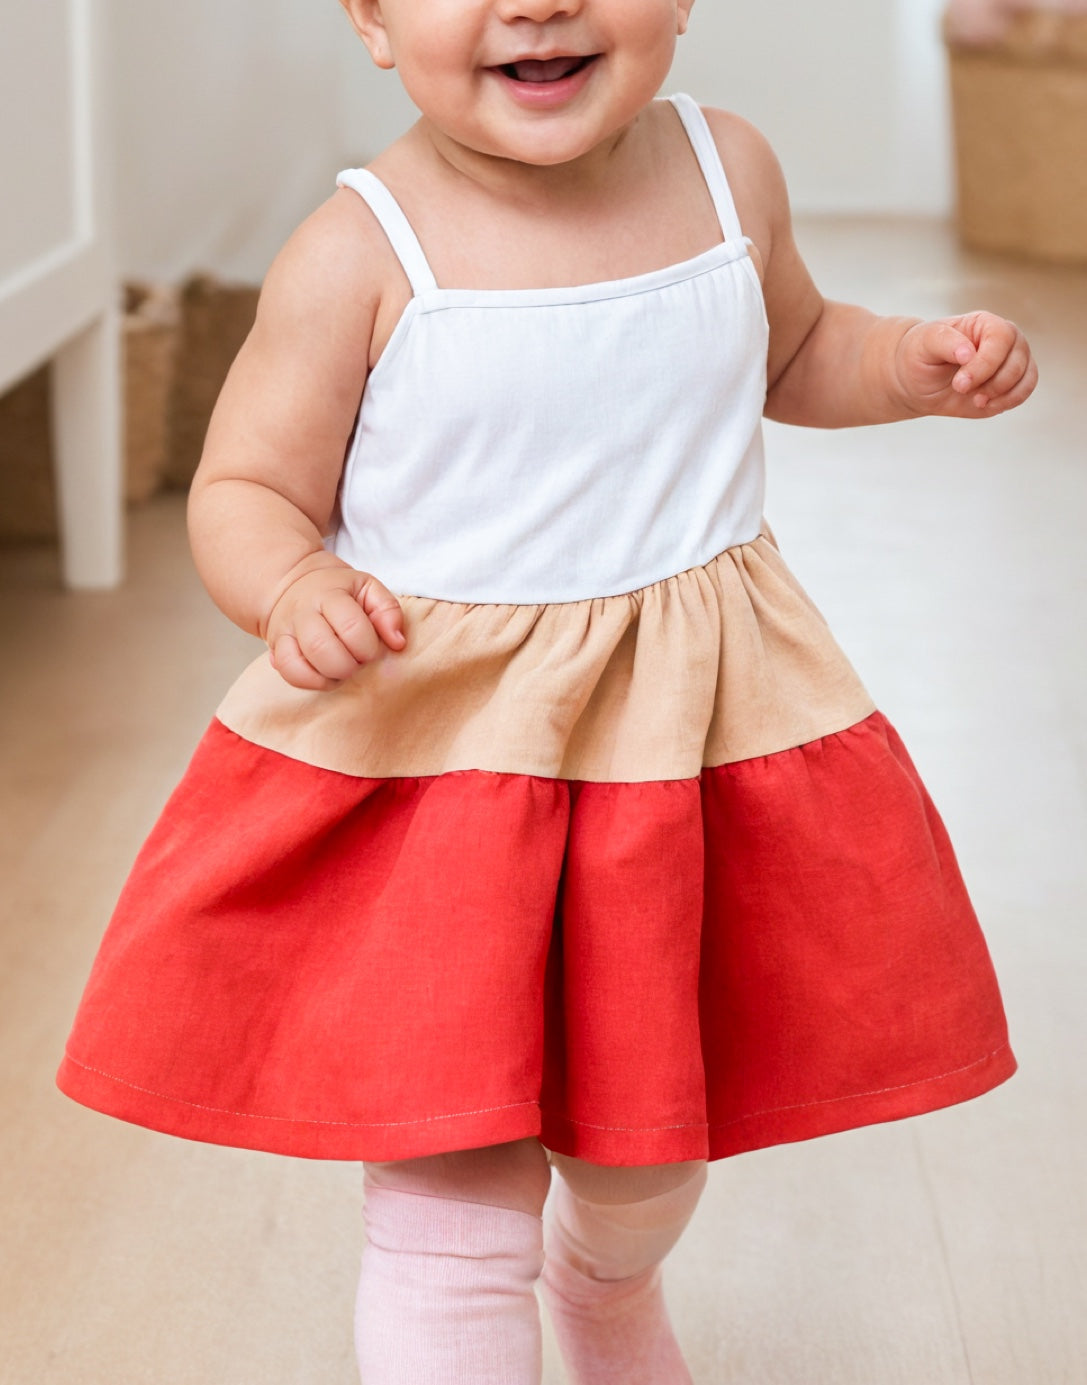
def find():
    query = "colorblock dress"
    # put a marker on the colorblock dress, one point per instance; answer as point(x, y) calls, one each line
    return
point(617, 852)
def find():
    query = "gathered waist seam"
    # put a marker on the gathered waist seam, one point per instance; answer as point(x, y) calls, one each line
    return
point(633, 593)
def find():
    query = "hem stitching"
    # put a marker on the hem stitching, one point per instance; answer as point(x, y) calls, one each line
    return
point(516, 1105)
point(860, 1096)
point(291, 1120)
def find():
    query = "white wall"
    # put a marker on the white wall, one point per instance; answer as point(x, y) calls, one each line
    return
point(228, 128)
point(924, 180)
point(851, 93)
point(814, 78)
point(35, 93)
point(374, 108)
point(232, 120)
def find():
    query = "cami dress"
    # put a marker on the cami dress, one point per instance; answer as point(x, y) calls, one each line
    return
point(617, 852)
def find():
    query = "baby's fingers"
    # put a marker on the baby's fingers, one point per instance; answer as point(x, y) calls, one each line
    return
point(943, 343)
point(1009, 386)
point(294, 668)
point(329, 622)
point(352, 626)
point(1007, 382)
point(384, 613)
point(998, 344)
point(321, 641)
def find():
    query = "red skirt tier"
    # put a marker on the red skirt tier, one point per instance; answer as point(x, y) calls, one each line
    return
point(317, 963)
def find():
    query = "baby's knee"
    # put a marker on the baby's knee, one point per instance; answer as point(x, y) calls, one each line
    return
point(514, 1175)
point(609, 1187)
point(609, 1225)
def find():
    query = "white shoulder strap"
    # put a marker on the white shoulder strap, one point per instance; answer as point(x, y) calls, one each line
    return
point(709, 160)
point(394, 223)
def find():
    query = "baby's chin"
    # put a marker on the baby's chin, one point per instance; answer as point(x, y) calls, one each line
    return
point(544, 149)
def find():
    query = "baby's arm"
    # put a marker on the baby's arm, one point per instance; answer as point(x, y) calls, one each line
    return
point(266, 486)
point(834, 365)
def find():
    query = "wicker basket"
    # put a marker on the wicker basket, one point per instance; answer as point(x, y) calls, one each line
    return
point(215, 320)
point(27, 496)
point(1020, 114)
point(27, 487)
point(150, 347)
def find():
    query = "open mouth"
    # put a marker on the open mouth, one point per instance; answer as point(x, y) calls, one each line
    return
point(543, 70)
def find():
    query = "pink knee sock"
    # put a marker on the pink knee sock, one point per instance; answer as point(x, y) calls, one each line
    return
point(446, 1292)
point(602, 1285)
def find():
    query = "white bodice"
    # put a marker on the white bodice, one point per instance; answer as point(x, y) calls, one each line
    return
point(549, 445)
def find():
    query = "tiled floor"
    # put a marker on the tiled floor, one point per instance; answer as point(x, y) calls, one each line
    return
point(950, 559)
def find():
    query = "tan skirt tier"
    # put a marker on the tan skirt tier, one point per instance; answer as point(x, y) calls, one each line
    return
point(717, 664)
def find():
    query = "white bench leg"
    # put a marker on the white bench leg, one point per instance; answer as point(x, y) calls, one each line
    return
point(87, 442)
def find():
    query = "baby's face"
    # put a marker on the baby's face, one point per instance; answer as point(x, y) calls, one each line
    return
point(537, 81)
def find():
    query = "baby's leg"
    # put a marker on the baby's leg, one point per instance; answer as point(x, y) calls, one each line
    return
point(454, 1248)
point(607, 1232)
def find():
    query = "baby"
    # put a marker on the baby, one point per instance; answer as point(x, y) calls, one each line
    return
point(553, 841)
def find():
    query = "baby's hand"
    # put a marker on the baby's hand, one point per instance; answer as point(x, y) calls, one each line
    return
point(974, 366)
point(329, 622)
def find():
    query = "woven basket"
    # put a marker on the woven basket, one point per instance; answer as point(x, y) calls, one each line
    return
point(1020, 116)
point(150, 348)
point(27, 497)
point(215, 320)
point(27, 486)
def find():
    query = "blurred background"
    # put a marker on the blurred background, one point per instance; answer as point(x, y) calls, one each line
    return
point(274, 105)
point(153, 157)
